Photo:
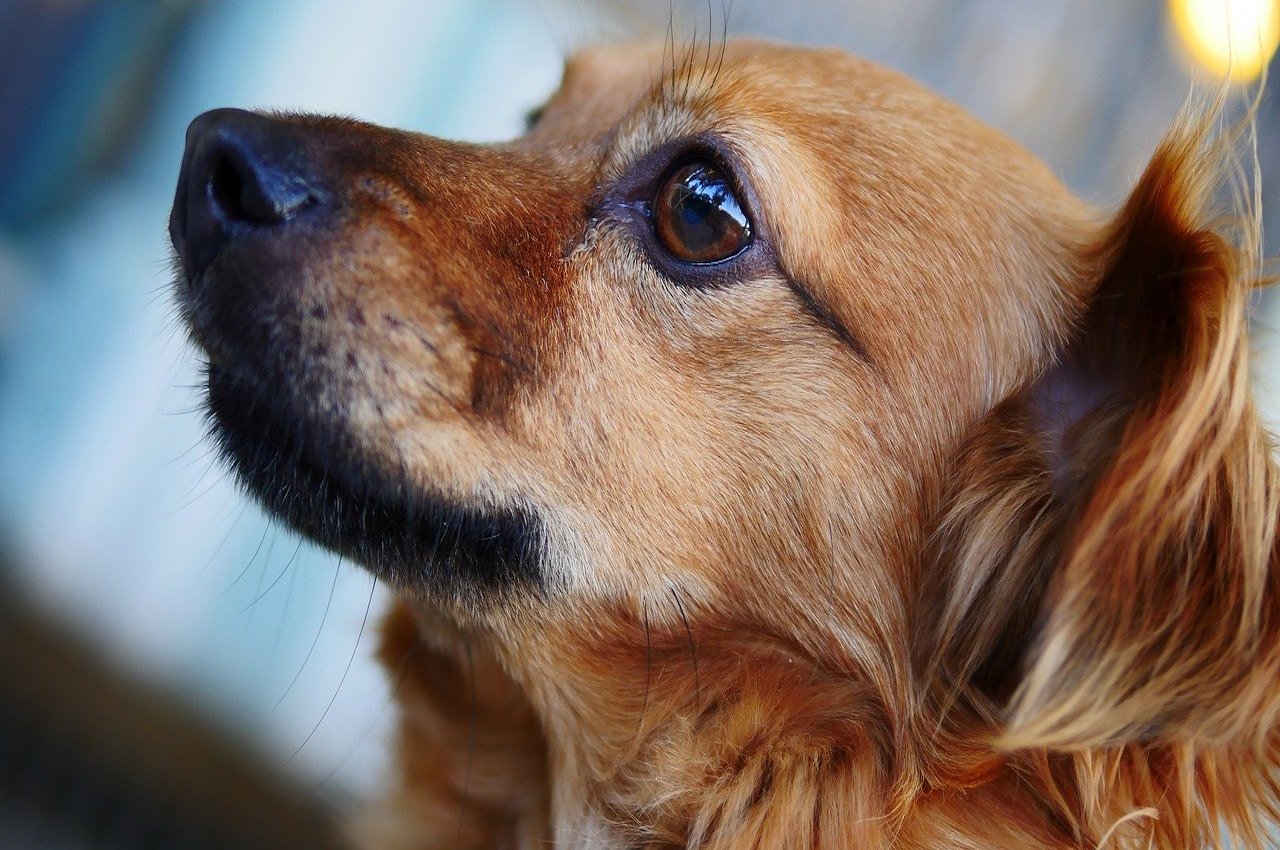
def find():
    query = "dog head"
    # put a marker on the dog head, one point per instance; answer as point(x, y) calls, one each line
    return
point(775, 425)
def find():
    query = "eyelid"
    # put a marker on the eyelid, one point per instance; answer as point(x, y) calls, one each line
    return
point(639, 179)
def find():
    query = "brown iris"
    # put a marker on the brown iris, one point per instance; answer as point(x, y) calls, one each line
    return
point(697, 217)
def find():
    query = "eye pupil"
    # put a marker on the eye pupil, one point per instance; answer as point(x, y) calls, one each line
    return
point(697, 217)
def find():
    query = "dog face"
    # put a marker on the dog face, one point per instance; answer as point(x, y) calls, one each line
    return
point(490, 369)
point(752, 397)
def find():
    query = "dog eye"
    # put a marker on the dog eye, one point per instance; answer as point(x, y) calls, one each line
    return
point(697, 217)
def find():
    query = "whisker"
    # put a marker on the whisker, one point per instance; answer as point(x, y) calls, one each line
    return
point(346, 670)
point(263, 539)
point(504, 359)
point(284, 614)
point(271, 547)
point(244, 505)
point(276, 580)
point(315, 640)
point(726, 9)
point(198, 444)
point(693, 651)
point(669, 51)
point(397, 679)
point(648, 671)
point(188, 499)
point(472, 736)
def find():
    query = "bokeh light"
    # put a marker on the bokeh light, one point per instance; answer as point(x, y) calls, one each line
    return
point(1231, 39)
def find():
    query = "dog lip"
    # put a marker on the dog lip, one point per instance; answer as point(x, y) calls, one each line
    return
point(240, 413)
point(417, 539)
point(178, 226)
point(203, 337)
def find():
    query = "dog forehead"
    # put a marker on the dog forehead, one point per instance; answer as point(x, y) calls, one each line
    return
point(915, 223)
point(602, 84)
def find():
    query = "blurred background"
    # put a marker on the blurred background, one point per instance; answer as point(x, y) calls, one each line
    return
point(175, 669)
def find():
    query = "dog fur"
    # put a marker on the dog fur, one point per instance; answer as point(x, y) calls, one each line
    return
point(948, 523)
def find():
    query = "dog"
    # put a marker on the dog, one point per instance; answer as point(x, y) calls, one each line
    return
point(763, 453)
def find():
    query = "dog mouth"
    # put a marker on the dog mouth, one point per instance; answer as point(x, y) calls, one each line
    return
point(312, 476)
point(262, 222)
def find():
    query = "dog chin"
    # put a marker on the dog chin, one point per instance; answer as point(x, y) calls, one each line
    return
point(307, 474)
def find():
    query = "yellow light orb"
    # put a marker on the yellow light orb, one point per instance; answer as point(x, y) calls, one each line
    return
point(1233, 39)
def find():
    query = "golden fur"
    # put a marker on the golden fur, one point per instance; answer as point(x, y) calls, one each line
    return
point(999, 575)
point(902, 630)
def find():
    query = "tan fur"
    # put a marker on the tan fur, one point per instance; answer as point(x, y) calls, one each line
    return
point(800, 595)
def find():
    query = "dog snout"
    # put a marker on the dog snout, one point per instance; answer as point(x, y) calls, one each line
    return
point(241, 173)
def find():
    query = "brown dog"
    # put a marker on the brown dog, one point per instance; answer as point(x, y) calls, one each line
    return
point(766, 454)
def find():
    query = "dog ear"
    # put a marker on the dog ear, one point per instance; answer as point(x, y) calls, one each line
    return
point(1163, 611)
point(1133, 594)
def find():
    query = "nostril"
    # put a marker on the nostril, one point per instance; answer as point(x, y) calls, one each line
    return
point(251, 190)
point(226, 189)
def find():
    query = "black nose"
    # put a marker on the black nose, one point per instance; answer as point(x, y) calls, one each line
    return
point(241, 173)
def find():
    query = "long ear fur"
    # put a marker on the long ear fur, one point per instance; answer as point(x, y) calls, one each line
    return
point(1108, 587)
point(1164, 609)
